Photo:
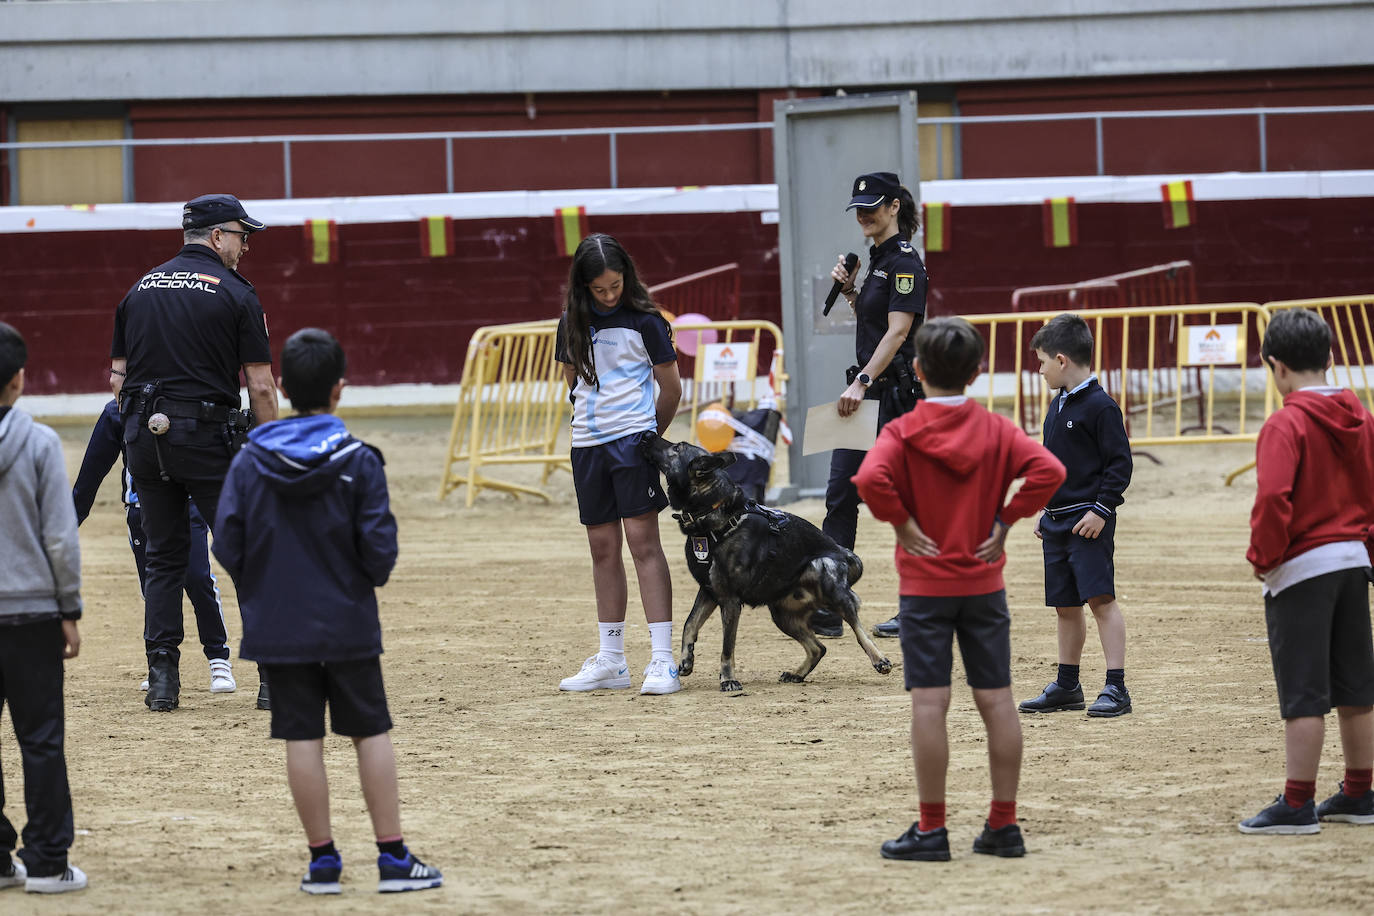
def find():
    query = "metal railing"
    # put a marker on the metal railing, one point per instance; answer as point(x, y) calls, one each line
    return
point(1098, 118)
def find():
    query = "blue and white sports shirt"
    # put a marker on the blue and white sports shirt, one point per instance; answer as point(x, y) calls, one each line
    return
point(627, 344)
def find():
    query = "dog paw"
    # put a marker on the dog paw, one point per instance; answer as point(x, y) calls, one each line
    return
point(730, 687)
point(883, 667)
point(791, 677)
point(685, 666)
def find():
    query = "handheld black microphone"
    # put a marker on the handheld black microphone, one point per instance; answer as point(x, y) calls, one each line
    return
point(851, 261)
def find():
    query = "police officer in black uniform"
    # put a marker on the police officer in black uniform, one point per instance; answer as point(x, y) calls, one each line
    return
point(181, 336)
point(889, 306)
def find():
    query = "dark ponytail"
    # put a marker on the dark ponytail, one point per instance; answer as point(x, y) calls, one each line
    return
point(907, 221)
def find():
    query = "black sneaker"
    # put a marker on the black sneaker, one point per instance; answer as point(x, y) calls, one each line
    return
point(888, 628)
point(915, 846)
point(323, 876)
point(1005, 841)
point(405, 874)
point(1282, 818)
point(1054, 699)
point(1113, 701)
point(1347, 810)
point(827, 624)
point(164, 683)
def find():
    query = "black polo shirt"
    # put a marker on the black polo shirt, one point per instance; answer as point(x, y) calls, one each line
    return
point(895, 282)
point(192, 323)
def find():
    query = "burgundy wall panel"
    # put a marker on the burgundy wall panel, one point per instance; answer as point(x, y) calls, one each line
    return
point(406, 318)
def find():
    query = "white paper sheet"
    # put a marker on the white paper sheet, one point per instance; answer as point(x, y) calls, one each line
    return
point(826, 429)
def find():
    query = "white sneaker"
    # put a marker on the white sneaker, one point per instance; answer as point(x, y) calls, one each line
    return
point(222, 676)
point(73, 879)
point(144, 685)
point(597, 673)
point(14, 873)
point(660, 677)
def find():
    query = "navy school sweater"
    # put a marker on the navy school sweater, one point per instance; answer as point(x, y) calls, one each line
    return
point(1088, 435)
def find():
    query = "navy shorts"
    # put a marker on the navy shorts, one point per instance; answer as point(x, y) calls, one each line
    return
point(353, 690)
point(614, 481)
point(1319, 641)
point(1077, 568)
point(927, 625)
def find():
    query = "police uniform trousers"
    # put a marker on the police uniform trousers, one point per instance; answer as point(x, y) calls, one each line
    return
point(841, 496)
point(194, 457)
point(200, 580)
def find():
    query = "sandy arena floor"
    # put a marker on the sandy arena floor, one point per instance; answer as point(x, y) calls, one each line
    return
point(771, 801)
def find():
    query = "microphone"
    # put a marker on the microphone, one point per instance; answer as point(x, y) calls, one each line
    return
point(851, 261)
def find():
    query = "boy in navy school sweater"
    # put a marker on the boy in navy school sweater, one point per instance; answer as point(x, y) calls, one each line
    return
point(305, 529)
point(1083, 429)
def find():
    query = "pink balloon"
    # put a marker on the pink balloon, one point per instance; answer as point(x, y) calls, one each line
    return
point(689, 341)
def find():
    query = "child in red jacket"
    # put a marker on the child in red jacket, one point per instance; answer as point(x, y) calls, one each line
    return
point(940, 475)
point(1309, 534)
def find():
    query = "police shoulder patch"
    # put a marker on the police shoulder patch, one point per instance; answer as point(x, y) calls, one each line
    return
point(905, 283)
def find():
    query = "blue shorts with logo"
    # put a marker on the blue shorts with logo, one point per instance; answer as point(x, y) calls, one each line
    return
point(1077, 568)
point(614, 481)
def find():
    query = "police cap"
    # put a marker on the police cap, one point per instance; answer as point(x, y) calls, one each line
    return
point(213, 209)
point(873, 188)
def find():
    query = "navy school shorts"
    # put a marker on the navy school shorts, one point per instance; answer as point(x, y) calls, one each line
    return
point(353, 691)
point(1320, 644)
point(614, 481)
point(1077, 568)
point(928, 624)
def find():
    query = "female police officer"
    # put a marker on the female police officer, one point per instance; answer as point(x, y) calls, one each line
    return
point(888, 307)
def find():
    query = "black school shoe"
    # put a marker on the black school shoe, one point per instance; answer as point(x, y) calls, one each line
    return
point(164, 683)
point(1054, 699)
point(1113, 701)
point(1005, 841)
point(915, 846)
point(1282, 818)
point(888, 628)
point(827, 624)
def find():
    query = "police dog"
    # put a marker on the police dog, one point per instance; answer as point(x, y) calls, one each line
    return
point(741, 553)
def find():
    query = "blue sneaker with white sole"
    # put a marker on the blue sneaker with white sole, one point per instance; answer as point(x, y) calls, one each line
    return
point(323, 876)
point(406, 874)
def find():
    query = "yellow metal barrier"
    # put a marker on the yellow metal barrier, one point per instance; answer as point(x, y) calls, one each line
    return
point(698, 391)
point(1352, 343)
point(512, 403)
point(1142, 359)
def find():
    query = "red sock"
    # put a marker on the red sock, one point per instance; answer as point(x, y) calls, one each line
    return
point(1357, 782)
point(932, 816)
point(1298, 793)
point(1001, 814)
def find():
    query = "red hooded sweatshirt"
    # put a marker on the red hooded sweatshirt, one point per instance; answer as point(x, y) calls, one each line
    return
point(1315, 464)
point(949, 466)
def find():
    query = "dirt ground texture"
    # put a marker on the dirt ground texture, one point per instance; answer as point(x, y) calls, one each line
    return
point(771, 801)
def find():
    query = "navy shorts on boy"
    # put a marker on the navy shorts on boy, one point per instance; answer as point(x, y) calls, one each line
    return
point(1320, 645)
point(615, 481)
point(352, 690)
point(1077, 568)
point(927, 626)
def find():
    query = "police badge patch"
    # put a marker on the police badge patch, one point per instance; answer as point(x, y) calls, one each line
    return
point(701, 549)
point(905, 283)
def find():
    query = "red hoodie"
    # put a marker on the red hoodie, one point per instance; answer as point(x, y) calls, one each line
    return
point(1316, 477)
point(949, 466)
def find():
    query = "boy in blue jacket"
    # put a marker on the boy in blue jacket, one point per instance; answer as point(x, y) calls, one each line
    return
point(305, 529)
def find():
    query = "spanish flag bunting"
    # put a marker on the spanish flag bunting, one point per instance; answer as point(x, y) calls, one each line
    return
point(436, 236)
point(937, 226)
point(1180, 210)
point(322, 241)
point(569, 228)
point(1061, 222)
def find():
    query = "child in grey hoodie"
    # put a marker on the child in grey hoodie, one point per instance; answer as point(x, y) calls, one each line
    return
point(40, 602)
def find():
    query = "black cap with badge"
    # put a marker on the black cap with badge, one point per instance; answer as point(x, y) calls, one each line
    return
point(214, 209)
point(873, 188)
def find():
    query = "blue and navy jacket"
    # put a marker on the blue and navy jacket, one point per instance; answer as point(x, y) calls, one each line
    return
point(104, 449)
point(305, 529)
point(1088, 435)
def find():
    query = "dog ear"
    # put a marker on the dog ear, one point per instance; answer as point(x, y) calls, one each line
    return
point(708, 464)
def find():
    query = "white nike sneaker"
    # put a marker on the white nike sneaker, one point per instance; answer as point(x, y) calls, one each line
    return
point(597, 673)
point(660, 677)
point(222, 676)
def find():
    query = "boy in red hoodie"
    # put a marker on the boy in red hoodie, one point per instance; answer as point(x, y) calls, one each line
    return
point(939, 475)
point(1309, 534)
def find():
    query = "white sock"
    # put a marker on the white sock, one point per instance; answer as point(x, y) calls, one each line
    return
point(612, 641)
point(661, 639)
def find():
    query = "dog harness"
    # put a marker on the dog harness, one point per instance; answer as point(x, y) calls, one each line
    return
point(703, 544)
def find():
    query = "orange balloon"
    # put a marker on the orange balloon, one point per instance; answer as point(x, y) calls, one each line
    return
point(713, 428)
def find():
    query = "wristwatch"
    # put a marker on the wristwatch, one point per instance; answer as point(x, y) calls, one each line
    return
point(864, 379)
